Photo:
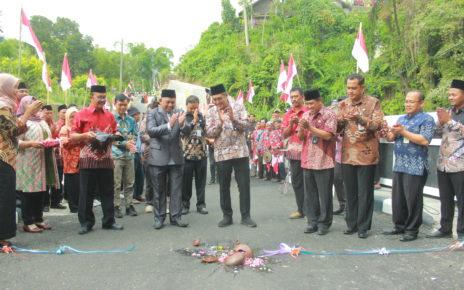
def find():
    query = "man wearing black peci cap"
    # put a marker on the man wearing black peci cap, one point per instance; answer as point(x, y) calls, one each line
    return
point(451, 162)
point(96, 166)
point(22, 90)
point(166, 160)
point(316, 129)
point(227, 122)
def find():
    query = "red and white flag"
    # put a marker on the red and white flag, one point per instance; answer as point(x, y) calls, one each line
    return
point(251, 92)
point(282, 78)
point(239, 98)
point(29, 37)
point(66, 80)
point(91, 80)
point(291, 73)
point(359, 51)
point(46, 77)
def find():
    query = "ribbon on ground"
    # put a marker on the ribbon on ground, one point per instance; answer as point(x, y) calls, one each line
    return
point(296, 251)
point(70, 250)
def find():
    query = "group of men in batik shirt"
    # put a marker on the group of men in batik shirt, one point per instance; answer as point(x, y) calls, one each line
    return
point(317, 134)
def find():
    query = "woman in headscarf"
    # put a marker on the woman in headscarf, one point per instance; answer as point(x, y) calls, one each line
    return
point(36, 170)
point(70, 153)
point(10, 128)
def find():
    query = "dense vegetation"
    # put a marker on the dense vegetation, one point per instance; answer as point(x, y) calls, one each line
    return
point(412, 44)
point(141, 64)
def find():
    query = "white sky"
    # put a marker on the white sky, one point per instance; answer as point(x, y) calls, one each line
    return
point(176, 24)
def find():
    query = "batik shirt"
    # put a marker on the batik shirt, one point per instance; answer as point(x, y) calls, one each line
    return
point(128, 129)
point(10, 129)
point(451, 154)
point(276, 142)
point(294, 145)
point(230, 139)
point(258, 142)
point(194, 144)
point(317, 153)
point(360, 145)
point(91, 119)
point(411, 158)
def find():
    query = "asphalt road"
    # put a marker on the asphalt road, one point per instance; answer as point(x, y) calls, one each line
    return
point(154, 264)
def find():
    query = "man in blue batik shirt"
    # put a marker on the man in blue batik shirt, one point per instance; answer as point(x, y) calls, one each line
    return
point(123, 155)
point(412, 135)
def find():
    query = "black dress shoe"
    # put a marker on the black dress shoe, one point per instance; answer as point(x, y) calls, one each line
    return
point(363, 235)
point(179, 223)
point(438, 234)
point(158, 224)
point(202, 210)
point(393, 232)
point(85, 229)
point(310, 229)
point(226, 221)
point(130, 211)
point(339, 211)
point(322, 231)
point(58, 206)
point(350, 231)
point(248, 222)
point(115, 227)
point(185, 210)
point(408, 237)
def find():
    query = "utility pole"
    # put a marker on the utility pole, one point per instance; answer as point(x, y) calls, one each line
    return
point(120, 65)
point(245, 17)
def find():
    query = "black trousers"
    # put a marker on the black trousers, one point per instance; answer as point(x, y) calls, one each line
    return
point(161, 178)
point(148, 184)
point(318, 197)
point(451, 185)
point(54, 196)
point(338, 184)
point(7, 201)
point(198, 169)
point(242, 176)
point(90, 179)
point(31, 207)
point(408, 201)
point(298, 184)
point(139, 175)
point(261, 168)
point(359, 189)
point(212, 164)
point(71, 187)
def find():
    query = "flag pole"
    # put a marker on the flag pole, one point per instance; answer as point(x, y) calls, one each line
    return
point(48, 97)
point(20, 43)
point(359, 30)
point(66, 97)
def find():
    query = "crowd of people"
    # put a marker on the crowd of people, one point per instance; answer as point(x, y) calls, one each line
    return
point(125, 156)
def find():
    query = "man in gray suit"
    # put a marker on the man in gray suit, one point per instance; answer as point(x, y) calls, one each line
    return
point(166, 159)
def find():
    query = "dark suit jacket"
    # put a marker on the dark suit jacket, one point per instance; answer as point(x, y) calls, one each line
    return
point(165, 144)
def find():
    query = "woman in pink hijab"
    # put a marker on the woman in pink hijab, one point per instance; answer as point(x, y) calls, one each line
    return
point(10, 128)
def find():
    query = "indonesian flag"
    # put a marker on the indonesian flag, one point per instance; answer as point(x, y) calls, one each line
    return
point(359, 51)
point(29, 37)
point(65, 74)
point(282, 78)
point(251, 92)
point(275, 163)
point(239, 98)
point(91, 80)
point(46, 77)
point(291, 73)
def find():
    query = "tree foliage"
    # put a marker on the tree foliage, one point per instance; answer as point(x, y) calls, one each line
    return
point(141, 65)
point(411, 43)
